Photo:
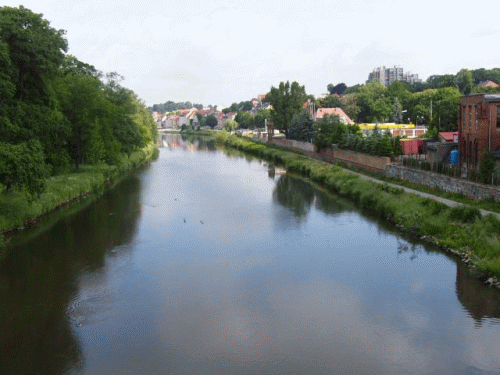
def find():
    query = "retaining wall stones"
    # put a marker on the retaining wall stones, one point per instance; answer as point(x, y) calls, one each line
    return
point(455, 185)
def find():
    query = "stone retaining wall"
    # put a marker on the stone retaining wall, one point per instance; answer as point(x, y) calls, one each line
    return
point(455, 185)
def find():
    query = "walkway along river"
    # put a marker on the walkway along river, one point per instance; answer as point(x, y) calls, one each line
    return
point(213, 263)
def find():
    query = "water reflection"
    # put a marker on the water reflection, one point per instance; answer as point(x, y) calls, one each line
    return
point(39, 278)
point(330, 291)
point(481, 302)
point(294, 194)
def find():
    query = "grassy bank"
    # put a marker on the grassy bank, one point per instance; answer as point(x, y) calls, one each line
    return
point(459, 229)
point(16, 211)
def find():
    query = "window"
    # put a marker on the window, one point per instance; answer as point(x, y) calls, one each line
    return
point(477, 113)
point(498, 116)
point(470, 117)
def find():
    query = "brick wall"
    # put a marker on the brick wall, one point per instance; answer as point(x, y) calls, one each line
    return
point(335, 155)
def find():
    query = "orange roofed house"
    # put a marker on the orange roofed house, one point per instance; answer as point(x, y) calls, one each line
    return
point(478, 127)
point(322, 112)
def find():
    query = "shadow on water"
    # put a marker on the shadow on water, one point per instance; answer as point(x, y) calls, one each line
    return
point(39, 277)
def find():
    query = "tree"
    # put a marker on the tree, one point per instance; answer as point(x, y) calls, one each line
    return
point(465, 81)
point(330, 101)
point(338, 89)
point(245, 106)
point(327, 131)
point(211, 121)
point(397, 112)
point(36, 51)
point(230, 125)
point(244, 120)
point(487, 167)
point(287, 100)
point(301, 127)
point(22, 166)
point(261, 117)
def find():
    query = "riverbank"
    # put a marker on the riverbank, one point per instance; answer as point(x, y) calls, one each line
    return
point(461, 230)
point(17, 213)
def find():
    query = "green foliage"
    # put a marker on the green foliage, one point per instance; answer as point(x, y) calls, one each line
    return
point(230, 125)
point(211, 121)
point(330, 101)
point(55, 110)
point(287, 100)
point(36, 52)
point(22, 167)
point(245, 120)
point(465, 81)
point(338, 89)
point(487, 167)
point(301, 127)
point(328, 130)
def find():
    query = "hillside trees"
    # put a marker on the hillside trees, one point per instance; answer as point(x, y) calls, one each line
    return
point(56, 110)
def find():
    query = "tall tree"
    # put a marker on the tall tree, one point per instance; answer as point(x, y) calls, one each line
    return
point(465, 81)
point(36, 51)
point(287, 100)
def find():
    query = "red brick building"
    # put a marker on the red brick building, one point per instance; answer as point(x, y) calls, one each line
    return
point(478, 127)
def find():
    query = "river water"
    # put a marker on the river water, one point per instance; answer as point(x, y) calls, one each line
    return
point(209, 262)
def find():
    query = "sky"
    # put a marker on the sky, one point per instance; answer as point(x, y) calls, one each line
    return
point(223, 51)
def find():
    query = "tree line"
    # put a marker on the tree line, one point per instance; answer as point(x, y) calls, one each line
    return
point(57, 112)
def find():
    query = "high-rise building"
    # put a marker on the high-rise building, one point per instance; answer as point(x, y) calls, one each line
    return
point(388, 75)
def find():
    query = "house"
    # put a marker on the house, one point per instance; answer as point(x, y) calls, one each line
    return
point(487, 83)
point(322, 112)
point(440, 152)
point(478, 127)
point(448, 137)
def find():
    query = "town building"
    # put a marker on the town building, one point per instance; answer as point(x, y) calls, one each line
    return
point(388, 75)
point(478, 128)
point(322, 112)
point(487, 83)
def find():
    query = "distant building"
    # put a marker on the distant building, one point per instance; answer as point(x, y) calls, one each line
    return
point(322, 112)
point(388, 75)
point(487, 83)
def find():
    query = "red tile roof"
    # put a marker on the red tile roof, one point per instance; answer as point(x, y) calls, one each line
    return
point(448, 136)
point(322, 112)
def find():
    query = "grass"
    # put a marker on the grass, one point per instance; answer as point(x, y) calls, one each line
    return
point(16, 211)
point(459, 228)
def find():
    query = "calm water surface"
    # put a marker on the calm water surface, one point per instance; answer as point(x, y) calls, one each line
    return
point(210, 263)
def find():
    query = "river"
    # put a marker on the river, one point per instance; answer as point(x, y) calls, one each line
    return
point(210, 262)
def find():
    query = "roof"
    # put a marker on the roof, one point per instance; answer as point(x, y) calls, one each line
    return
point(488, 83)
point(448, 136)
point(492, 97)
point(322, 112)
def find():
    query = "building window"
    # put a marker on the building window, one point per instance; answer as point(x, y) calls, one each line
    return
point(470, 117)
point(498, 117)
point(477, 110)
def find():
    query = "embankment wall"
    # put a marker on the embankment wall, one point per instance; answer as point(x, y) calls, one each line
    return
point(437, 180)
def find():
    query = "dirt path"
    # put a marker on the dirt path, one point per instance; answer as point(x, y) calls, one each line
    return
point(448, 202)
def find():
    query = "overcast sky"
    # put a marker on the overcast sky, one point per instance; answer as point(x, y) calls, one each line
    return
point(224, 51)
